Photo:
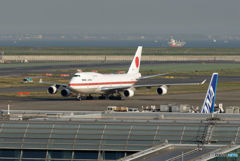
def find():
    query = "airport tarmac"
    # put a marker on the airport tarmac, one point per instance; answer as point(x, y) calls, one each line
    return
point(71, 104)
point(52, 102)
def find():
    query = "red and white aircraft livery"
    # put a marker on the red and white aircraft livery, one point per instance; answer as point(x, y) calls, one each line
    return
point(109, 85)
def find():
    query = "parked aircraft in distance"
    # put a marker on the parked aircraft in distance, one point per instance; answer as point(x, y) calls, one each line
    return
point(209, 101)
point(109, 85)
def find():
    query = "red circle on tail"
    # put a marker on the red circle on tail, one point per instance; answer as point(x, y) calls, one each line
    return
point(137, 61)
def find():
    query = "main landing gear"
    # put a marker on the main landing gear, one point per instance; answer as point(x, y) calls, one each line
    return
point(115, 96)
point(79, 97)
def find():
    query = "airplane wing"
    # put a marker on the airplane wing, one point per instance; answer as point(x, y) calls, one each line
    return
point(56, 84)
point(150, 76)
point(150, 85)
point(170, 84)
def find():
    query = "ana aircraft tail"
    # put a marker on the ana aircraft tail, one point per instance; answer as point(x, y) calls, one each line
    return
point(208, 105)
point(135, 65)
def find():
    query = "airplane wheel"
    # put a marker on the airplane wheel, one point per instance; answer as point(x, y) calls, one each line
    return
point(102, 97)
point(89, 97)
point(119, 98)
point(79, 98)
point(111, 97)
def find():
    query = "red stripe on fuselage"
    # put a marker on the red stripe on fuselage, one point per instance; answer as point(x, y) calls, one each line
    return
point(101, 83)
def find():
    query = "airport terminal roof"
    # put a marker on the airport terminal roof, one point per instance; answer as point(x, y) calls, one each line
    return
point(115, 134)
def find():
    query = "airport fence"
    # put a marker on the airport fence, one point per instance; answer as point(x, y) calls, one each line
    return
point(121, 58)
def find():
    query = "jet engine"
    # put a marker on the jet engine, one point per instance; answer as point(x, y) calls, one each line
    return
point(52, 90)
point(128, 93)
point(65, 92)
point(162, 90)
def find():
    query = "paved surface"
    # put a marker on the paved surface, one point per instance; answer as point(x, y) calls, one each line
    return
point(51, 102)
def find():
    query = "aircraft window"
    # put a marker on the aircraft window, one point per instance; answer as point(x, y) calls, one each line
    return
point(84, 80)
point(89, 79)
point(76, 75)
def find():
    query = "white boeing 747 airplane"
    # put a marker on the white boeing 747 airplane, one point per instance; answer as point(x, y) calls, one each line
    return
point(109, 85)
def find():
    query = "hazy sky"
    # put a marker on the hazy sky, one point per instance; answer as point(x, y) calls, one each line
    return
point(120, 16)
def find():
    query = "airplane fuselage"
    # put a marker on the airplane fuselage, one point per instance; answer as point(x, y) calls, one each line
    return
point(91, 82)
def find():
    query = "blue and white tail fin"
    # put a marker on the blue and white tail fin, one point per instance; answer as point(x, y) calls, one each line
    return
point(208, 105)
point(135, 65)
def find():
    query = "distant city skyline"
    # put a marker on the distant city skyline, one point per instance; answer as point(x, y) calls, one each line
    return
point(209, 17)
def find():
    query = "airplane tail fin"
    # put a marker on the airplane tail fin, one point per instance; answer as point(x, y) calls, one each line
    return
point(135, 65)
point(208, 105)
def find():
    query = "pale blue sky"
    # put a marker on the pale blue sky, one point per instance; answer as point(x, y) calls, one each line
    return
point(120, 16)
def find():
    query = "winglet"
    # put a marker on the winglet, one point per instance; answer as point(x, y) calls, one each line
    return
point(204, 81)
point(208, 104)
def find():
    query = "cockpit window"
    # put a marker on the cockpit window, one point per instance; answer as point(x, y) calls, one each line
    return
point(76, 75)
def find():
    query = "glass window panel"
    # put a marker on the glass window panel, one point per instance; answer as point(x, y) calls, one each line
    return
point(85, 155)
point(87, 141)
point(12, 135)
point(111, 155)
point(169, 132)
point(33, 160)
point(137, 148)
point(195, 128)
point(10, 153)
point(42, 125)
point(34, 140)
point(134, 137)
point(39, 130)
point(140, 142)
point(162, 128)
point(119, 132)
point(16, 130)
point(70, 141)
point(86, 147)
point(34, 154)
point(10, 145)
point(90, 126)
point(222, 128)
point(189, 138)
point(143, 132)
point(191, 133)
point(64, 131)
point(4, 159)
point(119, 137)
point(168, 137)
point(31, 145)
point(16, 125)
point(9, 140)
point(125, 127)
point(89, 136)
point(38, 135)
point(226, 133)
point(113, 147)
point(90, 131)
point(66, 126)
point(59, 154)
point(138, 127)
point(114, 142)
point(62, 136)
point(61, 146)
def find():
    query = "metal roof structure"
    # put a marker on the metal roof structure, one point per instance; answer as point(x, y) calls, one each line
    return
point(108, 136)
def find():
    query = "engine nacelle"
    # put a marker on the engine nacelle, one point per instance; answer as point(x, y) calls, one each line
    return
point(65, 92)
point(128, 93)
point(52, 90)
point(162, 90)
